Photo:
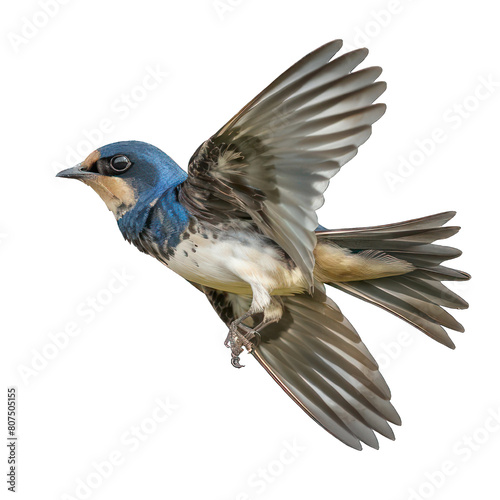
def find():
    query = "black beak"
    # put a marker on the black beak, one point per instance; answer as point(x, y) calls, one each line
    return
point(78, 172)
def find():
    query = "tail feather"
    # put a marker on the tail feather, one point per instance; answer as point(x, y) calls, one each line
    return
point(412, 311)
point(388, 231)
point(417, 296)
point(434, 290)
point(443, 273)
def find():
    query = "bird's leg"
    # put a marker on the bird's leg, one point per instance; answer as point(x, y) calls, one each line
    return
point(240, 334)
point(238, 337)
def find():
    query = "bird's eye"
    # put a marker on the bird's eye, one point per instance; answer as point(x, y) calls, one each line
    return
point(119, 164)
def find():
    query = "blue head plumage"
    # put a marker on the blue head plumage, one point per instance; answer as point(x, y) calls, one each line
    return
point(132, 177)
point(151, 171)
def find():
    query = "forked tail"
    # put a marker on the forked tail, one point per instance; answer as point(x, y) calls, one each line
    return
point(398, 268)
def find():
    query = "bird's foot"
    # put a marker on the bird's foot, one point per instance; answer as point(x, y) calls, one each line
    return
point(240, 336)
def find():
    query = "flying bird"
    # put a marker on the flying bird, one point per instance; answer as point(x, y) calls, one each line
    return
point(241, 226)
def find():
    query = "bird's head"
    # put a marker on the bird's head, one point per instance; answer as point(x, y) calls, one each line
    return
point(126, 174)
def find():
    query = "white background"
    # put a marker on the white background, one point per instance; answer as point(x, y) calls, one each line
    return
point(156, 337)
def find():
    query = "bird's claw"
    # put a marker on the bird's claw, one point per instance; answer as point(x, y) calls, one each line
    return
point(235, 361)
point(236, 341)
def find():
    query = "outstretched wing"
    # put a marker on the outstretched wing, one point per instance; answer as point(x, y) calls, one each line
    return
point(272, 162)
point(317, 357)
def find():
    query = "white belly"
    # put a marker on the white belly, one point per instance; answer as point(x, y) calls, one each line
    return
point(234, 266)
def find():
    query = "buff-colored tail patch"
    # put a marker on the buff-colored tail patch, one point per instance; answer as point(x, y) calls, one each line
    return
point(337, 264)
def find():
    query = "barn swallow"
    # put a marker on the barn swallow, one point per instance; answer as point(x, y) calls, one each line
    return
point(241, 226)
